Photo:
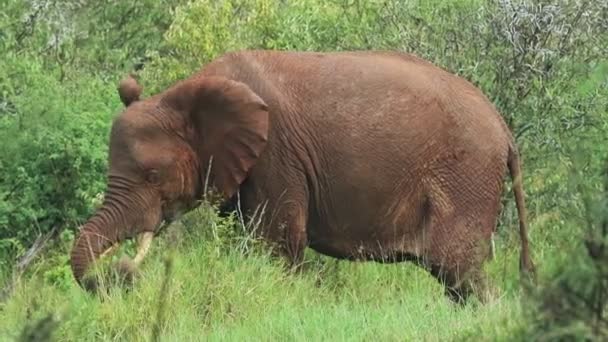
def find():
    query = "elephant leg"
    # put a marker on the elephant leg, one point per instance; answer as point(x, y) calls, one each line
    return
point(463, 275)
point(283, 224)
point(292, 223)
point(280, 197)
point(459, 284)
point(460, 243)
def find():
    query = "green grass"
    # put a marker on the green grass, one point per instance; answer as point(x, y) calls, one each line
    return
point(230, 288)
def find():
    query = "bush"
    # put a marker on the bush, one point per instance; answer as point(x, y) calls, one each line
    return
point(54, 158)
point(63, 61)
point(571, 305)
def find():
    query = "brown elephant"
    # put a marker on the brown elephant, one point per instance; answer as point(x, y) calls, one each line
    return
point(359, 155)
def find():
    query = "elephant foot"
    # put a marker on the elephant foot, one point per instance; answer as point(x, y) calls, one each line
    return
point(474, 286)
point(461, 287)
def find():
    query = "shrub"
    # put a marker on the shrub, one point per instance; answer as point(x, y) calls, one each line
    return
point(571, 305)
point(54, 155)
point(63, 61)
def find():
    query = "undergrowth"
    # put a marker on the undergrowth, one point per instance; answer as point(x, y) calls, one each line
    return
point(205, 280)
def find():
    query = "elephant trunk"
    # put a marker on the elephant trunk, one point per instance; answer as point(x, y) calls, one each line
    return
point(97, 237)
point(126, 211)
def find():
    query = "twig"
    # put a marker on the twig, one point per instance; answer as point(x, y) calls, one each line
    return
point(36, 248)
point(12, 190)
point(26, 259)
point(206, 185)
point(239, 211)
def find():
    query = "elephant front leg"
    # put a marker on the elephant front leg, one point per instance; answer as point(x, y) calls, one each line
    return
point(278, 205)
point(296, 239)
point(287, 231)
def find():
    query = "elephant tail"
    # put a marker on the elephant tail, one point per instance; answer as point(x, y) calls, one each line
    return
point(526, 265)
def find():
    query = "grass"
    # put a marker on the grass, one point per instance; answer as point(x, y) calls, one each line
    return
point(203, 281)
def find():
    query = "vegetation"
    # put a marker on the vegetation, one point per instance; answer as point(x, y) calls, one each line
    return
point(543, 63)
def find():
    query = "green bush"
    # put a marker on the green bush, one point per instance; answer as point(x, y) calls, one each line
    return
point(571, 304)
point(54, 158)
point(63, 61)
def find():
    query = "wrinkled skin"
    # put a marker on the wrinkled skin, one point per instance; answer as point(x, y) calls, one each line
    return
point(358, 155)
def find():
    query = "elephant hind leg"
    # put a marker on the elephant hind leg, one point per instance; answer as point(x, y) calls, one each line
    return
point(464, 193)
point(458, 244)
point(459, 286)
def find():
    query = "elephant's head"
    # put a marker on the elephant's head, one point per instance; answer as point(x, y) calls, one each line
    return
point(164, 151)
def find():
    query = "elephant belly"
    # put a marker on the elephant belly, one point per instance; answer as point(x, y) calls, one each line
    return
point(398, 237)
point(390, 250)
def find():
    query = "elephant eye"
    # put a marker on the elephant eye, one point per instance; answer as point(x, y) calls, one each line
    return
point(153, 176)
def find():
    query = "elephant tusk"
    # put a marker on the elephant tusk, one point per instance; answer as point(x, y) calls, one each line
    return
point(109, 251)
point(144, 243)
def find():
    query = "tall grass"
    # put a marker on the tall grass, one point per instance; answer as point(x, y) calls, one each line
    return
point(220, 285)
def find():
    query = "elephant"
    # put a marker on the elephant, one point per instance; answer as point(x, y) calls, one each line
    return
point(359, 155)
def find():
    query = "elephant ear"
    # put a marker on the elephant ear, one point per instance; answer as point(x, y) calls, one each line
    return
point(129, 90)
point(230, 125)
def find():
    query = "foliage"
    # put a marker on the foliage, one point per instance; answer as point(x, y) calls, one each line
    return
point(572, 304)
point(57, 103)
point(90, 36)
point(231, 289)
point(54, 158)
point(542, 63)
